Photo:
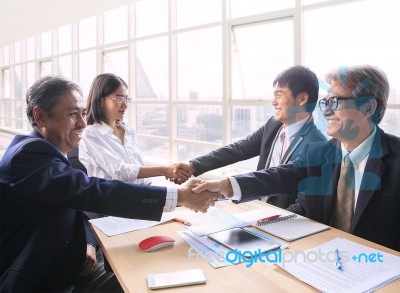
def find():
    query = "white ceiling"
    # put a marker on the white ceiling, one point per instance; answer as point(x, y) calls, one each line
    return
point(20, 19)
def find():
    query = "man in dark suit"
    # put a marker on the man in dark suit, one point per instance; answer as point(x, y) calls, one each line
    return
point(45, 244)
point(295, 97)
point(353, 109)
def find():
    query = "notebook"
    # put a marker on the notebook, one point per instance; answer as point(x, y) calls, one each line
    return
point(291, 227)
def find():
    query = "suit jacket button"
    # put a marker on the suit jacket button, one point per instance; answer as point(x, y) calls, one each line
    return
point(150, 200)
point(144, 200)
point(66, 244)
point(155, 201)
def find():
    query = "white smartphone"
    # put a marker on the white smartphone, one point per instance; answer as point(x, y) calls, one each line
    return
point(175, 279)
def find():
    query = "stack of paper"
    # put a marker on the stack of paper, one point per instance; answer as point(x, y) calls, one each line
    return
point(364, 269)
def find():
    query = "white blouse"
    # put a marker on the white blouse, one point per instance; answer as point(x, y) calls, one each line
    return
point(104, 155)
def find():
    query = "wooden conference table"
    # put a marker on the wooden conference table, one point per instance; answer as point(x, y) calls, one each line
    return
point(131, 265)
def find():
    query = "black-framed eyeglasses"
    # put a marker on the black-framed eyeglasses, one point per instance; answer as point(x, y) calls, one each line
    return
point(120, 99)
point(334, 101)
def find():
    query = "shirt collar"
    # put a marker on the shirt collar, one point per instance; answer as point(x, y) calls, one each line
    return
point(360, 152)
point(293, 129)
point(104, 128)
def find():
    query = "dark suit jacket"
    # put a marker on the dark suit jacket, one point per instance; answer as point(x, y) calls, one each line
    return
point(315, 174)
point(260, 143)
point(43, 237)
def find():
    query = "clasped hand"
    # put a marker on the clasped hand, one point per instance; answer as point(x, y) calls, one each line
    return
point(198, 201)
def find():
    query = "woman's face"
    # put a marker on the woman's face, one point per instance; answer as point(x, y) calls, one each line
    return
point(115, 104)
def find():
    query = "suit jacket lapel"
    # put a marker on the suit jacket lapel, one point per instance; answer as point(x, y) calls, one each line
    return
point(299, 137)
point(373, 173)
point(330, 174)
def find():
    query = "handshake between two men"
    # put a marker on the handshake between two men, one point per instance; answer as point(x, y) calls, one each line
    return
point(198, 195)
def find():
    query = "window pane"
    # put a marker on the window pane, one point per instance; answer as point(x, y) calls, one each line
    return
point(87, 70)
point(46, 44)
point(350, 36)
point(30, 48)
point(199, 122)
point(65, 66)
point(17, 82)
point(30, 74)
point(247, 119)
point(7, 113)
point(117, 62)
point(200, 65)
point(195, 12)
point(152, 69)
point(116, 25)
point(65, 39)
point(152, 119)
point(6, 84)
point(87, 32)
point(150, 20)
point(154, 148)
point(19, 114)
point(6, 55)
point(188, 151)
point(45, 68)
point(390, 121)
point(249, 7)
point(17, 52)
point(259, 52)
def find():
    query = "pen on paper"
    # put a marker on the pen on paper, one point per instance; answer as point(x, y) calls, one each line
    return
point(339, 265)
point(183, 222)
point(268, 219)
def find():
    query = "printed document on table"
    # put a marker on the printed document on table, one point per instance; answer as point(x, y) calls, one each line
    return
point(112, 226)
point(216, 220)
point(364, 269)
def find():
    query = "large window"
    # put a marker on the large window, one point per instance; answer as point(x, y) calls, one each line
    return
point(200, 72)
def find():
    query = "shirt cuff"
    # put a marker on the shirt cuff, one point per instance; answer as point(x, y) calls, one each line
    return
point(237, 192)
point(171, 199)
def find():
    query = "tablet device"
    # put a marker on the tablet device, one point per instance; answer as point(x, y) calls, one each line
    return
point(242, 240)
point(175, 279)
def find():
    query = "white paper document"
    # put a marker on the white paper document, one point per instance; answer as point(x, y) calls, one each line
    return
point(216, 220)
point(112, 226)
point(364, 269)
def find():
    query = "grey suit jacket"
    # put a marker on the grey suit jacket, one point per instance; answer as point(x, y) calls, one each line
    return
point(260, 143)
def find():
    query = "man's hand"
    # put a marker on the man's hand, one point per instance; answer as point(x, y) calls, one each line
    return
point(90, 261)
point(180, 172)
point(200, 201)
point(177, 173)
point(221, 186)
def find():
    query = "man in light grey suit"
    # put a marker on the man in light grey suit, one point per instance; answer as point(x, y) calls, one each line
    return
point(295, 97)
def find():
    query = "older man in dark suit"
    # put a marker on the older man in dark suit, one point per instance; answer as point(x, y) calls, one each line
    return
point(350, 182)
point(45, 245)
point(281, 138)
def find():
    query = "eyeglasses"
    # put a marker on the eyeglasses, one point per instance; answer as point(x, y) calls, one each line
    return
point(120, 99)
point(333, 102)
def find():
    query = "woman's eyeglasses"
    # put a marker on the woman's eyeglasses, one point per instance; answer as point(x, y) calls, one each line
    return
point(120, 99)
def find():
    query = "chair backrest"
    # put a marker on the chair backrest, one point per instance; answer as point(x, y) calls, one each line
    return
point(73, 158)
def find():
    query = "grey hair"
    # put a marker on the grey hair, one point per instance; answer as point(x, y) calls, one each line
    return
point(45, 93)
point(364, 81)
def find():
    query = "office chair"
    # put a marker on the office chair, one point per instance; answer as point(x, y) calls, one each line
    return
point(73, 158)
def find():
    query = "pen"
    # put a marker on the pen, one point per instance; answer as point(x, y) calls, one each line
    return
point(182, 222)
point(339, 265)
point(268, 219)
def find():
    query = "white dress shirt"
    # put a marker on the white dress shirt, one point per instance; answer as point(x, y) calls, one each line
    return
point(104, 156)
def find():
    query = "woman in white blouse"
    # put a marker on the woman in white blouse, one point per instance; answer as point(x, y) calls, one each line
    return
point(109, 147)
